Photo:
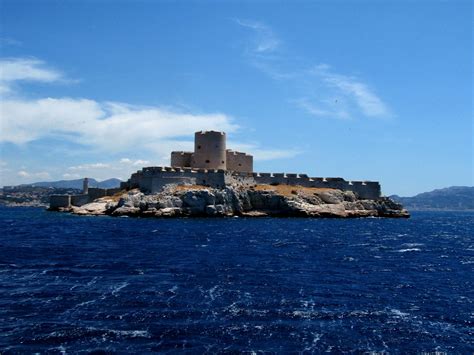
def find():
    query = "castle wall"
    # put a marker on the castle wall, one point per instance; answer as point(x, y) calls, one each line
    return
point(95, 192)
point(238, 161)
point(364, 189)
point(111, 192)
point(181, 159)
point(79, 200)
point(209, 150)
point(242, 179)
point(153, 179)
point(59, 201)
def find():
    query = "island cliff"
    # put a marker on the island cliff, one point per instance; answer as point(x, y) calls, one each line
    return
point(256, 201)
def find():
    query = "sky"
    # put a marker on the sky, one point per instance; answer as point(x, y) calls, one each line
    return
point(364, 90)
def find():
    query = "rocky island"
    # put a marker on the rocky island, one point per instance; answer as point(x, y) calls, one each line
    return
point(216, 182)
point(258, 201)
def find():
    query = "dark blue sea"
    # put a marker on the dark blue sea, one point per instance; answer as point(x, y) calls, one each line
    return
point(72, 284)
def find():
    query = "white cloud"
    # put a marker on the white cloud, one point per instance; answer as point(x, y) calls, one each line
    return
point(370, 104)
point(141, 162)
point(38, 175)
point(69, 176)
point(89, 166)
point(25, 69)
point(261, 154)
point(265, 40)
point(43, 175)
point(138, 162)
point(106, 126)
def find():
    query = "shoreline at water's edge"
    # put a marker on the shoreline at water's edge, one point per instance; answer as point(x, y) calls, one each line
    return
point(259, 201)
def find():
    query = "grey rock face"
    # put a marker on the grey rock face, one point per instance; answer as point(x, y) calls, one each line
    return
point(174, 202)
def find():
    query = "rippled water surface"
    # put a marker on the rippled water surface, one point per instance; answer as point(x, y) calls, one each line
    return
point(73, 284)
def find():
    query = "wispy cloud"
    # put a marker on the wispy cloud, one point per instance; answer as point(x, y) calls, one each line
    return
point(25, 69)
point(319, 90)
point(331, 107)
point(370, 104)
point(265, 40)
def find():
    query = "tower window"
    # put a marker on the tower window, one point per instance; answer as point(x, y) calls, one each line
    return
point(207, 161)
point(222, 162)
point(199, 147)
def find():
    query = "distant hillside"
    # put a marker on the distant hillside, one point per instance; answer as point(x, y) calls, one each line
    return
point(77, 184)
point(450, 198)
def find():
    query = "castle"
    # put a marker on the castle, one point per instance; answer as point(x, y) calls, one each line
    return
point(212, 165)
point(210, 153)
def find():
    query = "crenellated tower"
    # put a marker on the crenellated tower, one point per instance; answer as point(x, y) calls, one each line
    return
point(209, 150)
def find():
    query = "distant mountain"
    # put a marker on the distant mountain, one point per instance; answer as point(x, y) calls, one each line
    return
point(450, 198)
point(77, 184)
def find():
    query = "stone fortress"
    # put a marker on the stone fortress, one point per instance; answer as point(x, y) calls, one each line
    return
point(212, 165)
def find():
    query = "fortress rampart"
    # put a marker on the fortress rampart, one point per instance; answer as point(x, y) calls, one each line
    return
point(239, 161)
point(153, 179)
point(181, 159)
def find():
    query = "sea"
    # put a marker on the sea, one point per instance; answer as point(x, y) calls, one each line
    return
point(75, 284)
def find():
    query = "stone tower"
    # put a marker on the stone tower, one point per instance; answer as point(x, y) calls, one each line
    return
point(85, 186)
point(209, 150)
point(181, 159)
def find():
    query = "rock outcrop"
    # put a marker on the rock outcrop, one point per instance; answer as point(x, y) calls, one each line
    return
point(257, 201)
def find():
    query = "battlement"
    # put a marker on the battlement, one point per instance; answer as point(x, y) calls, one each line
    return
point(234, 152)
point(153, 179)
point(210, 132)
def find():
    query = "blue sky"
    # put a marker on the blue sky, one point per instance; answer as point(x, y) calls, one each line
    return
point(365, 90)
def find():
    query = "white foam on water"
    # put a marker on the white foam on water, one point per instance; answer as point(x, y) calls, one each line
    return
point(398, 313)
point(212, 292)
point(132, 333)
point(316, 338)
point(411, 245)
point(408, 250)
point(117, 289)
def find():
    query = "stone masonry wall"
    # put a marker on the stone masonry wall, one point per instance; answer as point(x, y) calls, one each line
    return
point(59, 201)
point(238, 161)
point(181, 159)
point(153, 180)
